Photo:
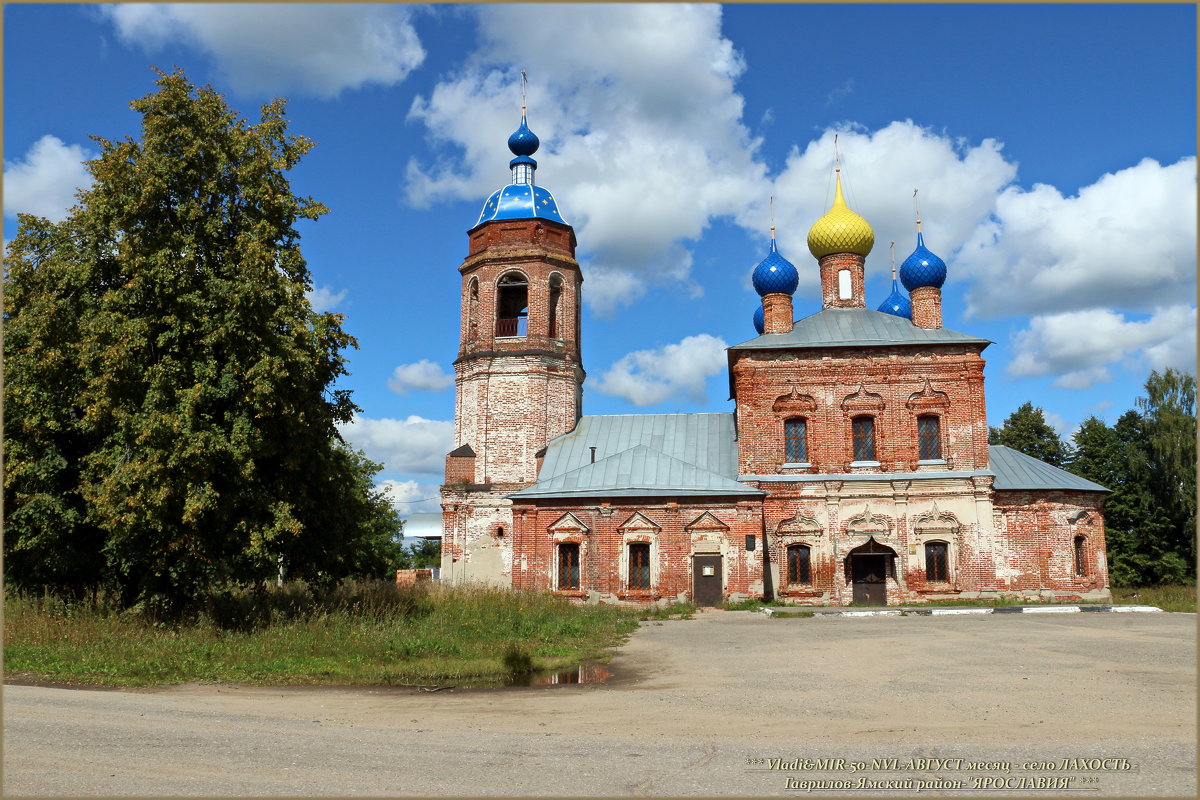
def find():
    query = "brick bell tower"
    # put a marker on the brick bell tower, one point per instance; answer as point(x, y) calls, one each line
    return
point(518, 375)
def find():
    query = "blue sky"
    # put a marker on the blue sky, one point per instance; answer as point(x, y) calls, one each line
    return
point(1053, 146)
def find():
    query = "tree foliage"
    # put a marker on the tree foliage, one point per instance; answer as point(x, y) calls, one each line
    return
point(1026, 430)
point(1147, 459)
point(169, 394)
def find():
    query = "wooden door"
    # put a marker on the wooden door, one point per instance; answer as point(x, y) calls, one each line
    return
point(870, 579)
point(706, 580)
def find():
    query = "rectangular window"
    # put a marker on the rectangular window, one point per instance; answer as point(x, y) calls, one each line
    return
point(844, 290)
point(864, 439)
point(795, 436)
point(568, 566)
point(1080, 560)
point(799, 564)
point(935, 561)
point(929, 438)
point(639, 565)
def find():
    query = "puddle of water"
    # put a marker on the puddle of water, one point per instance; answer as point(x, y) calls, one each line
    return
point(581, 673)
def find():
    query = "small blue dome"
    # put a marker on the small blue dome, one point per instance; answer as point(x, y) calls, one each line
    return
point(896, 303)
point(922, 268)
point(520, 201)
point(759, 322)
point(523, 142)
point(775, 274)
point(522, 160)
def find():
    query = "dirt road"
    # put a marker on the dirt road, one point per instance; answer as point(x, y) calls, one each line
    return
point(696, 708)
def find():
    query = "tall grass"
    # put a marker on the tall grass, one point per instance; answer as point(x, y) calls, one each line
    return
point(1168, 597)
point(364, 633)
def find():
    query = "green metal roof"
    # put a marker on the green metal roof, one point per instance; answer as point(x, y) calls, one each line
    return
point(639, 455)
point(856, 327)
point(1015, 470)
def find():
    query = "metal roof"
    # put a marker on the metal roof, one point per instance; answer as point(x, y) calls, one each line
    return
point(1015, 470)
point(855, 327)
point(642, 455)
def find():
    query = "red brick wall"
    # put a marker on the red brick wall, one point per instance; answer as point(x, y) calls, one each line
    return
point(677, 530)
point(1038, 530)
point(777, 313)
point(926, 306)
point(894, 393)
point(830, 266)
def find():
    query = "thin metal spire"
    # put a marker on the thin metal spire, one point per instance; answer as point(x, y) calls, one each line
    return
point(893, 261)
point(524, 83)
point(917, 205)
point(772, 218)
point(837, 158)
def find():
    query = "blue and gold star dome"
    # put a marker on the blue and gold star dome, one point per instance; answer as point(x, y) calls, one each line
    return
point(521, 199)
point(922, 268)
point(775, 273)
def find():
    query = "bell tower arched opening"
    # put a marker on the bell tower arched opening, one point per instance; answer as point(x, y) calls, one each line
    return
point(512, 305)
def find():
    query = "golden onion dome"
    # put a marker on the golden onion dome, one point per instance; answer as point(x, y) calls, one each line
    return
point(840, 230)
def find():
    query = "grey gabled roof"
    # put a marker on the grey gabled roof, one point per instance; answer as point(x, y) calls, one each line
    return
point(856, 327)
point(1015, 470)
point(642, 455)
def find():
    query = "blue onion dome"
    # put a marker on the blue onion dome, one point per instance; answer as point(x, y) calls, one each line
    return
point(896, 303)
point(523, 142)
point(521, 199)
point(922, 268)
point(760, 323)
point(775, 274)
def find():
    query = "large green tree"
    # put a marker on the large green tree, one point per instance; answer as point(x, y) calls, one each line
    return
point(1026, 430)
point(169, 395)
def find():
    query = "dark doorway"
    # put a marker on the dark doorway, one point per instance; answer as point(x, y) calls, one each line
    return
point(870, 579)
point(706, 580)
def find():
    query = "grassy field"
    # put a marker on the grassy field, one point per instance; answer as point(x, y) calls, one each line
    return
point(364, 634)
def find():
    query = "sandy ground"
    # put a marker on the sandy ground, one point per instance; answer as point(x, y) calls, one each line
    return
point(695, 707)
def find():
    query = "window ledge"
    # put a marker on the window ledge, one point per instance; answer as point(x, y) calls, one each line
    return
point(933, 465)
point(864, 466)
point(796, 465)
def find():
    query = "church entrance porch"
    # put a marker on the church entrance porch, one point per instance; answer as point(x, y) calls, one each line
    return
point(868, 567)
point(706, 580)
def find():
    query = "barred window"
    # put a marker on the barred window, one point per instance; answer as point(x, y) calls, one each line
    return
point(639, 565)
point(799, 558)
point(864, 439)
point(795, 437)
point(935, 561)
point(1080, 556)
point(929, 437)
point(568, 566)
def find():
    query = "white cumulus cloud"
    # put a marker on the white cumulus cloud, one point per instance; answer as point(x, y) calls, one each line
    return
point(647, 377)
point(1126, 241)
point(1080, 346)
point(413, 445)
point(44, 182)
point(643, 139)
point(412, 497)
point(323, 298)
point(958, 185)
point(278, 48)
point(423, 376)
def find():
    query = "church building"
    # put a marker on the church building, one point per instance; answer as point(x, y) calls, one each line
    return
point(854, 468)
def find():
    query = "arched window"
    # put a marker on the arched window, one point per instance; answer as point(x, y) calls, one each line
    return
point(639, 565)
point(799, 564)
point(473, 308)
point(795, 437)
point(512, 304)
point(864, 438)
point(929, 438)
point(555, 301)
point(568, 565)
point(937, 566)
point(1080, 556)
